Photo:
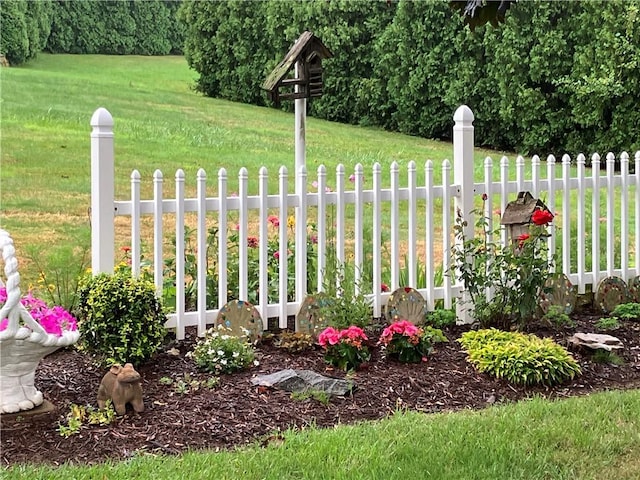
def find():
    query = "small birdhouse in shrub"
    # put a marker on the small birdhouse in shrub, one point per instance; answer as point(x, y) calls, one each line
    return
point(522, 212)
point(305, 81)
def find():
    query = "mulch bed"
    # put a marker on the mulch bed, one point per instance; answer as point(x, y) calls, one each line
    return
point(236, 413)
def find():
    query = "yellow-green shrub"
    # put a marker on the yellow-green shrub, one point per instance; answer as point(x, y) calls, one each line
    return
point(519, 358)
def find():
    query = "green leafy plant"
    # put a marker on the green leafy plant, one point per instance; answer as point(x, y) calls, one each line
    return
point(345, 306)
point(120, 318)
point(607, 323)
point(504, 282)
point(607, 357)
point(60, 273)
point(405, 342)
point(441, 318)
point(434, 335)
point(626, 311)
point(188, 384)
point(80, 415)
point(344, 349)
point(294, 342)
point(519, 358)
point(220, 352)
point(318, 395)
point(556, 318)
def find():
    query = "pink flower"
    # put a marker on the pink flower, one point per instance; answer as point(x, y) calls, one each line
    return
point(314, 184)
point(273, 220)
point(54, 320)
point(329, 336)
point(352, 178)
point(252, 242)
point(276, 255)
point(314, 239)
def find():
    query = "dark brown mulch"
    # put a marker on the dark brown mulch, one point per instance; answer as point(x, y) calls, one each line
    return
point(236, 413)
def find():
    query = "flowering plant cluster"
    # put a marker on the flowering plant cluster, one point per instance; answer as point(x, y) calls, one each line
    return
point(344, 349)
point(504, 282)
point(55, 320)
point(406, 342)
point(219, 352)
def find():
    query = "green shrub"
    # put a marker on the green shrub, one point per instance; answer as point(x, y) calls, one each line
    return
point(556, 318)
point(219, 352)
point(519, 358)
point(441, 318)
point(626, 311)
point(120, 318)
point(607, 323)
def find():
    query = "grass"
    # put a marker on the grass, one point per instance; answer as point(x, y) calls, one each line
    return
point(593, 437)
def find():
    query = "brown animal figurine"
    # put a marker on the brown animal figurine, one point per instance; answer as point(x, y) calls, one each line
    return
point(122, 386)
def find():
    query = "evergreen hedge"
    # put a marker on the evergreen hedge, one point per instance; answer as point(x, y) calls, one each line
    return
point(556, 77)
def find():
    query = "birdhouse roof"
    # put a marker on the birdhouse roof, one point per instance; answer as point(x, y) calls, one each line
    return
point(519, 211)
point(307, 47)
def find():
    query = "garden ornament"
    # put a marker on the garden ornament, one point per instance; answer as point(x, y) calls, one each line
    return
point(27, 334)
point(121, 385)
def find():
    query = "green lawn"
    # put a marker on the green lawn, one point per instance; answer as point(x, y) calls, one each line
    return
point(594, 437)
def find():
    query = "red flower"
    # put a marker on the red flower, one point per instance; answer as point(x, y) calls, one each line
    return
point(541, 217)
point(484, 197)
point(522, 238)
point(252, 242)
point(126, 249)
point(384, 287)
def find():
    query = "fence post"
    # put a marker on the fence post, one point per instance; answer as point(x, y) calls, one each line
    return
point(463, 179)
point(102, 192)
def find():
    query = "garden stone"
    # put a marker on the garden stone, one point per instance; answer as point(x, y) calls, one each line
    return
point(595, 341)
point(304, 380)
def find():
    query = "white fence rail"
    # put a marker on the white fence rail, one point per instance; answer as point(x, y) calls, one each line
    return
point(403, 234)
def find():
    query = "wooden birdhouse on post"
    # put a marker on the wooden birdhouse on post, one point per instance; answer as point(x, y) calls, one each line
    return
point(517, 215)
point(306, 56)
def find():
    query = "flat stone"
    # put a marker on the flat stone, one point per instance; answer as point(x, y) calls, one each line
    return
point(45, 409)
point(291, 380)
point(596, 341)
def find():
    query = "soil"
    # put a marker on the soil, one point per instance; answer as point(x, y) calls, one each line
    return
point(235, 413)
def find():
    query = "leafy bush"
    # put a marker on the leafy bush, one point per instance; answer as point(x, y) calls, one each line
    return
point(515, 274)
point(441, 318)
point(120, 318)
point(556, 318)
point(219, 352)
point(607, 323)
point(626, 311)
point(519, 358)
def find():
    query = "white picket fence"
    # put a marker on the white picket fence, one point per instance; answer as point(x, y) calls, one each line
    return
point(427, 246)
